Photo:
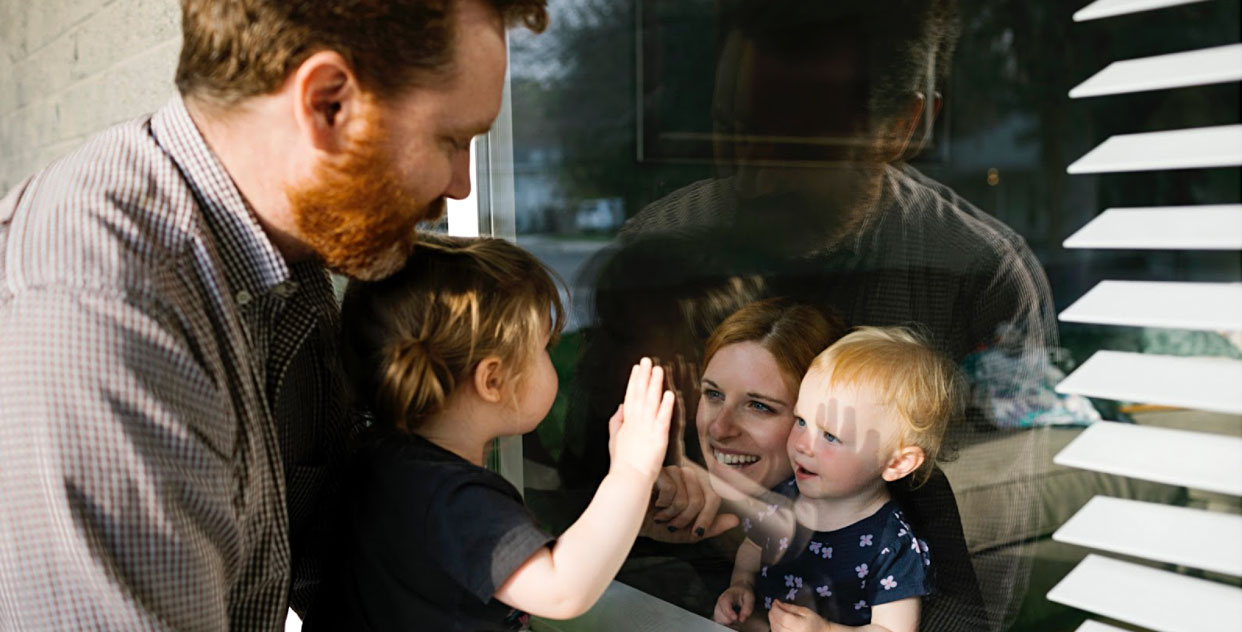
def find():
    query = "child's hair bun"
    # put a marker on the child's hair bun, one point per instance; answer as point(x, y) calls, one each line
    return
point(423, 379)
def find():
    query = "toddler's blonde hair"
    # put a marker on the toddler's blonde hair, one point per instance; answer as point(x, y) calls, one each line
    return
point(922, 385)
point(411, 338)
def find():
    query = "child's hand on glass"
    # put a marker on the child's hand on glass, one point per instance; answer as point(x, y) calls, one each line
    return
point(735, 605)
point(786, 617)
point(638, 432)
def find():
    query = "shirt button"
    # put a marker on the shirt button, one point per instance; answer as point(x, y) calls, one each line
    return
point(243, 298)
point(286, 289)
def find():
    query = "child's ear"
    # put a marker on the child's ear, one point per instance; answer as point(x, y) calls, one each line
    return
point(904, 461)
point(489, 379)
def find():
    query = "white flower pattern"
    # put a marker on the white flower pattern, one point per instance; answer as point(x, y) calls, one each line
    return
point(824, 591)
point(861, 569)
point(888, 583)
point(865, 540)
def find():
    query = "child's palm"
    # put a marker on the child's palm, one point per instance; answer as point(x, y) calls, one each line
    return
point(639, 431)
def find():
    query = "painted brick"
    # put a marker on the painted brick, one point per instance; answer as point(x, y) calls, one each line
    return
point(117, 32)
point(29, 25)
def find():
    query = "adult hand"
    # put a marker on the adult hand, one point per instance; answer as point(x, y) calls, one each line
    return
point(684, 507)
point(786, 617)
point(638, 432)
point(735, 605)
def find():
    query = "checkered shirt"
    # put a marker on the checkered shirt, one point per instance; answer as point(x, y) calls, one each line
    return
point(170, 405)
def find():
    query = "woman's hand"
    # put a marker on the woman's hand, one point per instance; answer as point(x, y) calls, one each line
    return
point(786, 617)
point(638, 432)
point(684, 507)
point(735, 605)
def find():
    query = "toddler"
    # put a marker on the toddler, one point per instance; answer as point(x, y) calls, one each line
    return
point(447, 355)
point(872, 409)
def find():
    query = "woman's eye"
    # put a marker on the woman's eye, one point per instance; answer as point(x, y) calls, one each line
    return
point(712, 394)
point(762, 407)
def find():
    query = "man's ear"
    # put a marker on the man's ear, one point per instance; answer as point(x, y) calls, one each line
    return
point(905, 127)
point(327, 100)
point(489, 379)
point(904, 461)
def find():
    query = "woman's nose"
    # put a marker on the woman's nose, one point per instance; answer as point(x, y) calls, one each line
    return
point(722, 427)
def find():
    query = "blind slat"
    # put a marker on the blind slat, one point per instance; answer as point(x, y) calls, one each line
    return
point(1096, 626)
point(1110, 8)
point(1148, 597)
point(1194, 538)
point(1219, 64)
point(1173, 305)
point(1175, 457)
point(1199, 147)
point(1208, 227)
point(1209, 384)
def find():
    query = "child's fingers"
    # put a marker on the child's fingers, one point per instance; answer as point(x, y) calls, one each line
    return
point(637, 386)
point(724, 611)
point(654, 387)
point(665, 414)
point(747, 607)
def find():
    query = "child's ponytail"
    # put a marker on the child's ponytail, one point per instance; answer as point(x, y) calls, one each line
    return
point(410, 340)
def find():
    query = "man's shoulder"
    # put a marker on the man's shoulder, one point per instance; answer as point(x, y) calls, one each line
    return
point(943, 213)
point(108, 214)
point(699, 204)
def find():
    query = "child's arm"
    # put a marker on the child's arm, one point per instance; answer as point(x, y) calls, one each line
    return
point(897, 616)
point(736, 604)
point(566, 580)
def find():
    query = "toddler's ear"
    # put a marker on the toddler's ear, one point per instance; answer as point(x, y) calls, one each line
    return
point(904, 461)
point(489, 379)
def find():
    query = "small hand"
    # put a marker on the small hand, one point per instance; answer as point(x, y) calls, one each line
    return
point(638, 432)
point(734, 605)
point(786, 617)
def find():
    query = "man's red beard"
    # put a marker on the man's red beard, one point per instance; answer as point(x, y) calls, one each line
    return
point(356, 214)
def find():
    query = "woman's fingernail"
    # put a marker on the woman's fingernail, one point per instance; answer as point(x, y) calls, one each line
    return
point(700, 531)
point(672, 529)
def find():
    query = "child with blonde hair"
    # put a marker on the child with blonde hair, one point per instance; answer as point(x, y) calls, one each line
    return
point(447, 355)
point(872, 409)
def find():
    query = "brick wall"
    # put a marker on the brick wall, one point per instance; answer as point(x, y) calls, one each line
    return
point(69, 68)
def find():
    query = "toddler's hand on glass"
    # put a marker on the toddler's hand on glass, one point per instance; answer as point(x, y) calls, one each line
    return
point(638, 432)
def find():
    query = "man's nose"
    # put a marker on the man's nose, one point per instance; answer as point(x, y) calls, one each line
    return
point(459, 182)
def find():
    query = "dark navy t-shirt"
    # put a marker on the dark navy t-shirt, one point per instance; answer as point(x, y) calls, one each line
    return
point(842, 574)
point(427, 538)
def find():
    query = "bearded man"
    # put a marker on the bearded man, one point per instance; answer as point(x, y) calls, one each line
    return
point(169, 406)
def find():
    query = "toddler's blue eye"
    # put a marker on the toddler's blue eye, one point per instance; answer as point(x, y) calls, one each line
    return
point(800, 422)
point(831, 438)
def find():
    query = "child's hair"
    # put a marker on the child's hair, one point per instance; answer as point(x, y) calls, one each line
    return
point(794, 333)
point(411, 338)
point(922, 385)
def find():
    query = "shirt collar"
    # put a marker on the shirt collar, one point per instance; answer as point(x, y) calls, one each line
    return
point(252, 263)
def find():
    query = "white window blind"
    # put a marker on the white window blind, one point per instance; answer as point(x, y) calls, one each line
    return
point(1193, 541)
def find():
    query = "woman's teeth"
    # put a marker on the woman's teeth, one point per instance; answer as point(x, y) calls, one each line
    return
point(735, 459)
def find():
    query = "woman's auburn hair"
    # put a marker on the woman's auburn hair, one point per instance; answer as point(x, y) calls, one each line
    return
point(410, 339)
point(794, 333)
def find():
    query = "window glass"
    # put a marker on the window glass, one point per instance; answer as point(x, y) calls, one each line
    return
point(887, 163)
